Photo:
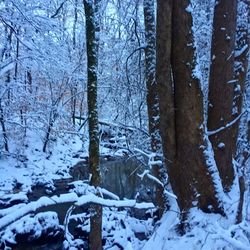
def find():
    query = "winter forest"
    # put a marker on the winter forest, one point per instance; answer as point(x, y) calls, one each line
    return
point(124, 124)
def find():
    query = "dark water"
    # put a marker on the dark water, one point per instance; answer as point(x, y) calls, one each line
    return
point(119, 176)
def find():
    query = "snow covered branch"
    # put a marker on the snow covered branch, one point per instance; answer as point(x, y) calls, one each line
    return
point(9, 66)
point(213, 132)
point(68, 198)
point(157, 181)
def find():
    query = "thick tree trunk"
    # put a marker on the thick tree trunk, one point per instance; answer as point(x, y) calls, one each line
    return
point(192, 180)
point(152, 98)
point(221, 88)
point(92, 28)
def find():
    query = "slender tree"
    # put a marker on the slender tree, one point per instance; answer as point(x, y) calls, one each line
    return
point(92, 29)
point(4, 132)
point(221, 88)
point(5, 54)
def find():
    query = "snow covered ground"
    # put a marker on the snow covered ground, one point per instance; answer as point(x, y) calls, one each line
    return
point(21, 170)
point(32, 165)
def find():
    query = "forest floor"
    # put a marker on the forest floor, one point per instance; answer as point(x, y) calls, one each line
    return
point(30, 166)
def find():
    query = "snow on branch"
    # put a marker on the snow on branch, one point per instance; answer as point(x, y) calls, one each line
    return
point(58, 9)
point(151, 158)
point(227, 236)
point(81, 188)
point(104, 191)
point(91, 198)
point(12, 209)
point(68, 198)
point(7, 68)
point(35, 205)
point(153, 178)
point(213, 132)
point(26, 44)
point(143, 153)
point(108, 123)
point(239, 52)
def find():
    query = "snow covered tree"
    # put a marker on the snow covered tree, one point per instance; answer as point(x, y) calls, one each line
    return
point(92, 29)
point(181, 109)
point(241, 62)
point(190, 168)
point(164, 81)
point(152, 97)
point(221, 88)
point(241, 65)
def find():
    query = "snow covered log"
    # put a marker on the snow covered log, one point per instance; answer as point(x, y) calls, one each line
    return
point(68, 198)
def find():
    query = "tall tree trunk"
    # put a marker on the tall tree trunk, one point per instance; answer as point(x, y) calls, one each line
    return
point(74, 86)
point(240, 70)
point(152, 98)
point(181, 109)
point(241, 62)
point(92, 28)
point(5, 54)
point(165, 87)
point(221, 88)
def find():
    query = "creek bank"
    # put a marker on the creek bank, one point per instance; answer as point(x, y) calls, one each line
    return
point(120, 176)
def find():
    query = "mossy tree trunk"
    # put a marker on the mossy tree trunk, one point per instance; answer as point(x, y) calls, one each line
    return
point(152, 98)
point(92, 29)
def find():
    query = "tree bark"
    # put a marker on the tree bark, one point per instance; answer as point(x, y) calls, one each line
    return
point(52, 117)
point(75, 23)
point(4, 132)
point(191, 179)
point(165, 89)
point(181, 108)
point(221, 88)
point(152, 98)
point(92, 28)
point(240, 63)
point(240, 71)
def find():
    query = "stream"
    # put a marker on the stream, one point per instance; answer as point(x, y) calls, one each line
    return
point(119, 176)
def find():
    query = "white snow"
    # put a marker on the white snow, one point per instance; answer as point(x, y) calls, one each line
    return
point(37, 224)
point(69, 198)
point(45, 51)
